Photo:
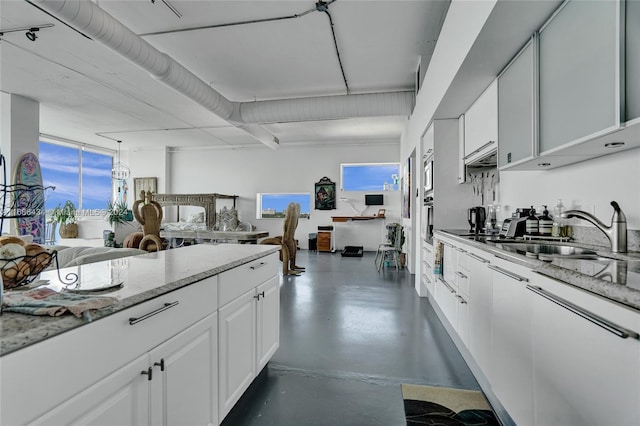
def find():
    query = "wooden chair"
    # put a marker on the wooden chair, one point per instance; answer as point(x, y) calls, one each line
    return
point(287, 241)
point(149, 214)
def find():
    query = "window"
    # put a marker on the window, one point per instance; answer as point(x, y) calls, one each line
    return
point(82, 176)
point(274, 205)
point(369, 176)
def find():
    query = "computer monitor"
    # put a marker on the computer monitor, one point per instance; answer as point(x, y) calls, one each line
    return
point(374, 199)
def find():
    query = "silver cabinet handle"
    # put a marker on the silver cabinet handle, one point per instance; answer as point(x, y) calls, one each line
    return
point(478, 258)
point(135, 320)
point(461, 250)
point(260, 265)
point(479, 149)
point(462, 301)
point(508, 273)
point(447, 286)
point(589, 316)
point(461, 275)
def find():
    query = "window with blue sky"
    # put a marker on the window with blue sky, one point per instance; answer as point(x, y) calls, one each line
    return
point(369, 176)
point(274, 205)
point(88, 187)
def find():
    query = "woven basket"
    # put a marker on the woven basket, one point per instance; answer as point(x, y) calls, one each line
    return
point(24, 269)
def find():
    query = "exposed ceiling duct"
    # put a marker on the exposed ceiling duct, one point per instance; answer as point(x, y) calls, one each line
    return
point(93, 21)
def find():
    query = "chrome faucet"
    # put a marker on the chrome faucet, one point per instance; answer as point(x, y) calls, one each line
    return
point(617, 232)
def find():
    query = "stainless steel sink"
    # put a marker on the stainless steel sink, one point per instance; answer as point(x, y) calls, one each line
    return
point(537, 250)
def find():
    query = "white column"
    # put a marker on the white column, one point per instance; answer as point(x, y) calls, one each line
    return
point(19, 134)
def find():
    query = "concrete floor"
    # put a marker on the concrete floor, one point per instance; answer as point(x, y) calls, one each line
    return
point(349, 336)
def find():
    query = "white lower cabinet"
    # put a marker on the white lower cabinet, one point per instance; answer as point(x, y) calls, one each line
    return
point(249, 336)
point(237, 349)
point(268, 321)
point(584, 373)
point(480, 308)
point(551, 353)
point(175, 383)
point(511, 369)
point(121, 398)
point(184, 386)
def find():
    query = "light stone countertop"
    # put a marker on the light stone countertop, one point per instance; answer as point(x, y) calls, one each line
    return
point(628, 295)
point(145, 277)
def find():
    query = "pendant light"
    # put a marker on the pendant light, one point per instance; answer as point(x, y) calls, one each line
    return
point(120, 170)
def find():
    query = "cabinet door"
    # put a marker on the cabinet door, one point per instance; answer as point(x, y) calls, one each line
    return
point(122, 398)
point(447, 301)
point(480, 306)
point(185, 376)
point(583, 374)
point(511, 373)
point(632, 60)
point(516, 106)
point(481, 123)
point(237, 349)
point(449, 264)
point(579, 73)
point(268, 321)
point(463, 319)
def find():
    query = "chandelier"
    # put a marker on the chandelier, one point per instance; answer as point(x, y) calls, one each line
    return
point(120, 171)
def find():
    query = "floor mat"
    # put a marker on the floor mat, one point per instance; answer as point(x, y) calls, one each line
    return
point(429, 405)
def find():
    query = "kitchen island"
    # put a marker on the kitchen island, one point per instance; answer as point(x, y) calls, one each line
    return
point(190, 330)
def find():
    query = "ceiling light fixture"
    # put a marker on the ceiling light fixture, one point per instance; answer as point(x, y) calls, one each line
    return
point(614, 145)
point(170, 6)
point(30, 32)
point(120, 171)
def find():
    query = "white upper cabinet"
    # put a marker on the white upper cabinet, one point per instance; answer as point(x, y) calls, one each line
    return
point(481, 125)
point(633, 60)
point(579, 73)
point(516, 108)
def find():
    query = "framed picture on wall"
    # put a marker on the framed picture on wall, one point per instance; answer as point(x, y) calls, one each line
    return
point(145, 184)
point(406, 189)
point(325, 194)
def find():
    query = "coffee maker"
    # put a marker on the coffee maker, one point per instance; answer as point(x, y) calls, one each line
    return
point(476, 217)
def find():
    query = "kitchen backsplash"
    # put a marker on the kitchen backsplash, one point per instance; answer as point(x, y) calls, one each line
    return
point(592, 235)
point(484, 183)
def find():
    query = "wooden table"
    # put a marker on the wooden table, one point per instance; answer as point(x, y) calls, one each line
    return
point(242, 237)
point(348, 218)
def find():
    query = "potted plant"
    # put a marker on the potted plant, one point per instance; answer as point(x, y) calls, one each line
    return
point(395, 233)
point(66, 217)
point(117, 213)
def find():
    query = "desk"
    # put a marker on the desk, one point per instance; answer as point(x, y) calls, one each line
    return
point(347, 218)
point(369, 240)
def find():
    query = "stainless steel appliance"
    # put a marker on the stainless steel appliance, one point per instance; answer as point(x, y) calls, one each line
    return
point(515, 226)
point(427, 219)
point(476, 216)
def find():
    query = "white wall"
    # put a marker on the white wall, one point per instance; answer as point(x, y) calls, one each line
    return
point(590, 185)
point(460, 29)
point(246, 172)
